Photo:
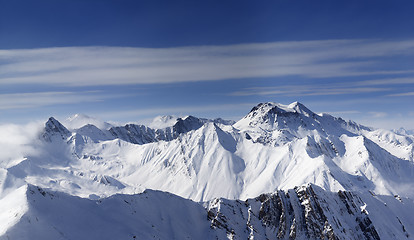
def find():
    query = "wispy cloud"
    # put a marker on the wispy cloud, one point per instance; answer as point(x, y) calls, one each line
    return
point(92, 66)
point(307, 90)
point(387, 81)
point(406, 94)
point(17, 141)
point(388, 122)
point(39, 99)
point(378, 114)
point(336, 113)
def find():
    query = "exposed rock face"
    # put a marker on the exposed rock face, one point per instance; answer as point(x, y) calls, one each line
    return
point(306, 212)
point(300, 213)
point(137, 134)
point(55, 130)
point(140, 134)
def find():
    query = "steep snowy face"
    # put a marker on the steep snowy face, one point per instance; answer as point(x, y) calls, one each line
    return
point(200, 164)
point(36, 213)
point(94, 133)
point(207, 161)
point(268, 153)
point(273, 115)
point(399, 145)
point(306, 212)
point(277, 123)
point(274, 147)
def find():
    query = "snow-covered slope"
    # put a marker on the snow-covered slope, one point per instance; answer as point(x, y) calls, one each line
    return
point(274, 147)
point(403, 131)
point(400, 145)
point(51, 215)
point(308, 212)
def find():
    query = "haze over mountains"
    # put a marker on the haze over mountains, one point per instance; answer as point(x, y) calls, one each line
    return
point(280, 172)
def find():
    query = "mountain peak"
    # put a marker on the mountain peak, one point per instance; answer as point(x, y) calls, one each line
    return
point(300, 108)
point(187, 124)
point(53, 128)
point(79, 120)
point(281, 108)
point(165, 121)
point(403, 131)
point(55, 125)
point(266, 115)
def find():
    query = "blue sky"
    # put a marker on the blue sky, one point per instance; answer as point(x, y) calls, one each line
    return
point(128, 61)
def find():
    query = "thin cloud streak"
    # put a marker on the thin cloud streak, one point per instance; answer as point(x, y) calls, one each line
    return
point(407, 94)
point(94, 66)
point(388, 122)
point(336, 113)
point(387, 81)
point(40, 99)
point(378, 114)
point(307, 90)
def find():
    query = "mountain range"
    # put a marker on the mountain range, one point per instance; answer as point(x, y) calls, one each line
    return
point(280, 172)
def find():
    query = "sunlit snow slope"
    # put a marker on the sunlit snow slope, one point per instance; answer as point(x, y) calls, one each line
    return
point(274, 147)
point(306, 212)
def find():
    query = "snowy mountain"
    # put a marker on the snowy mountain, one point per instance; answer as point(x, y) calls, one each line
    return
point(79, 120)
point(163, 122)
point(260, 162)
point(403, 131)
point(30, 212)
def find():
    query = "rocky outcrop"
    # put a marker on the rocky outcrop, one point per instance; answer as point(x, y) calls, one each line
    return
point(300, 213)
point(140, 134)
point(54, 130)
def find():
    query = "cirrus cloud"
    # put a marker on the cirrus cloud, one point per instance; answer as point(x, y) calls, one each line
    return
point(92, 66)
